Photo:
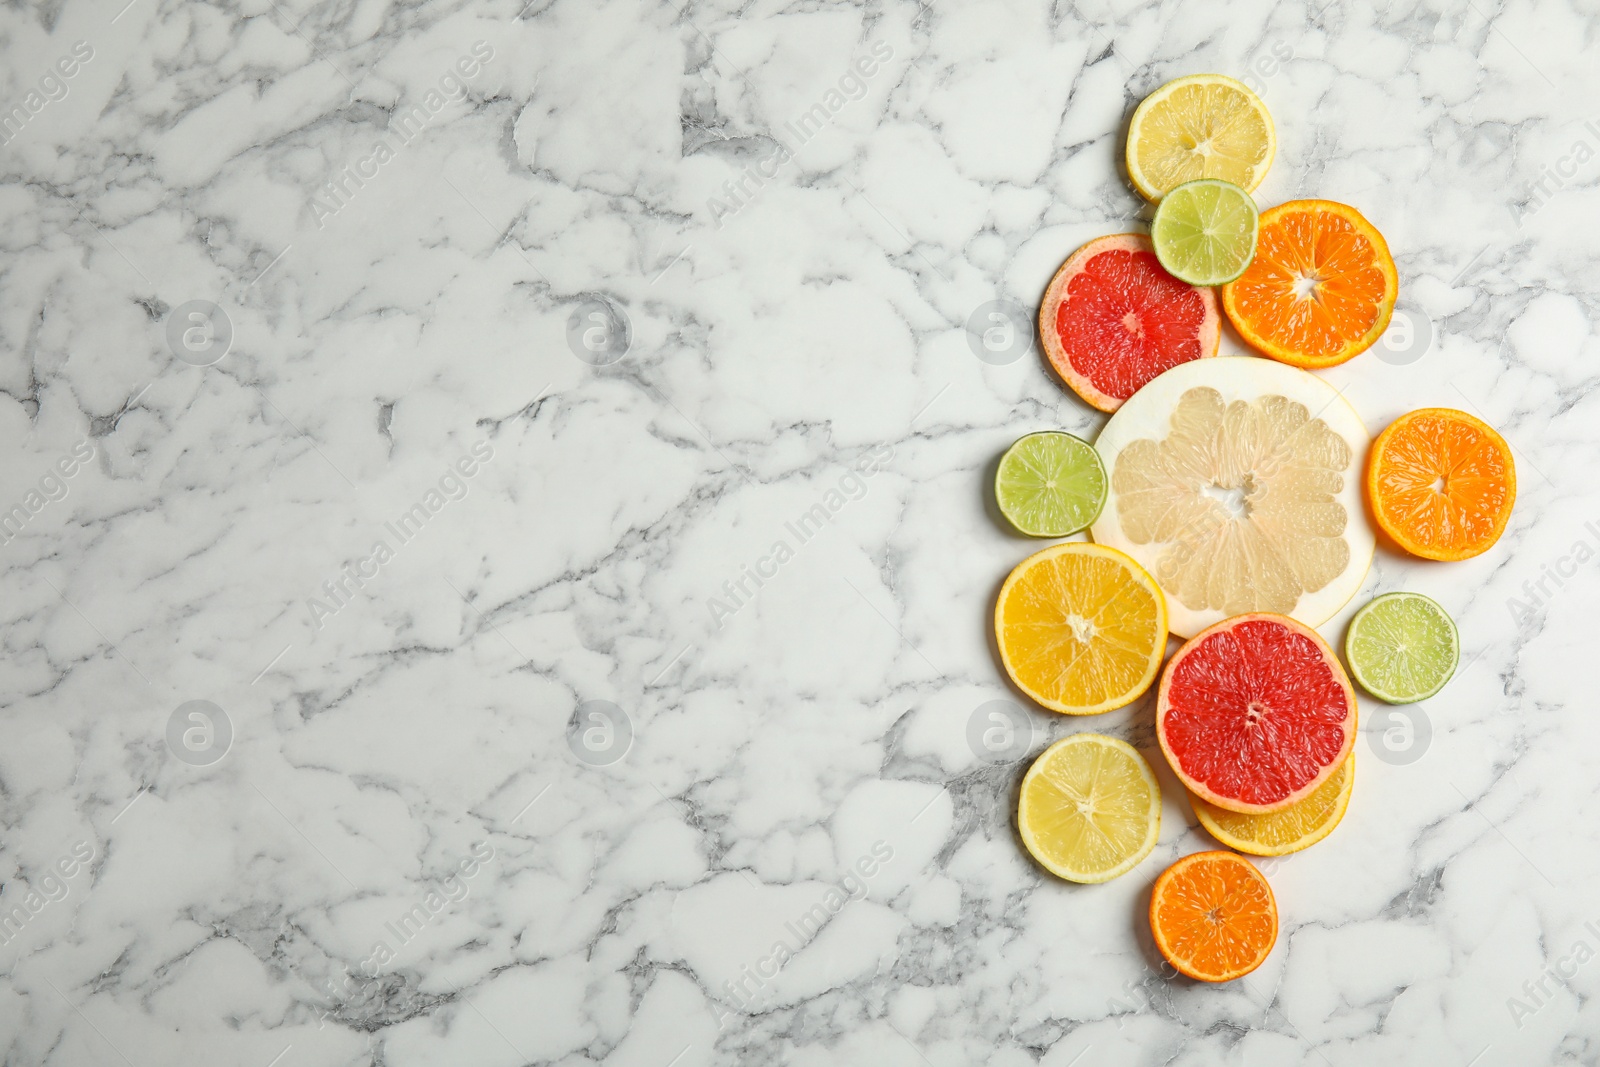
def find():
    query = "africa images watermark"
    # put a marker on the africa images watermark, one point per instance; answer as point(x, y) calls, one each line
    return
point(801, 931)
point(1537, 992)
point(52, 88)
point(405, 928)
point(453, 485)
point(53, 886)
point(1558, 174)
point(404, 128)
point(737, 591)
point(1538, 592)
point(852, 85)
point(52, 487)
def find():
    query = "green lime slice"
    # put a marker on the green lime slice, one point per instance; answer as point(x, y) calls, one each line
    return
point(1205, 231)
point(1050, 484)
point(1402, 647)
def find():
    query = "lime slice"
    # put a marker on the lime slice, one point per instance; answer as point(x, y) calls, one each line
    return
point(1050, 484)
point(1402, 648)
point(1205, 231)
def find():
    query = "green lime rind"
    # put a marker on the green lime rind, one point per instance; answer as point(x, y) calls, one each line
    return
point(1402, 647)
point(1205, 231)
point(1050, 484)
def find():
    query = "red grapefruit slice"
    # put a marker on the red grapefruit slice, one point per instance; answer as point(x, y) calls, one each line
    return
point(1255, 713)
point(1113, 318)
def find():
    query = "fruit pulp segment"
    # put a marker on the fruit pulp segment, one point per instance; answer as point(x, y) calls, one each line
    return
point(1244, 497)
point(1092, 804)
point(1315, 285)
point(1216, 916)
point(1125, 320)
point(1443, 481)
point(1079, 630)
point(1255, 712)
point(1203, 131)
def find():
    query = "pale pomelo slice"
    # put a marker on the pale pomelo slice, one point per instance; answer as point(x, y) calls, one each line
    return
point(1236, 482)
point(1113, 319)
point(1255, 713)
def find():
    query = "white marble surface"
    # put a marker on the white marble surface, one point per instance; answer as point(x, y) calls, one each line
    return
point(402, 747)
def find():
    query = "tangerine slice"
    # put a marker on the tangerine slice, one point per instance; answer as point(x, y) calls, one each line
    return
point(1113, 318)
point(1081, 628)
point(1213, 916)
point(1321, 288)
point(1441, 483)
point(1255, 713)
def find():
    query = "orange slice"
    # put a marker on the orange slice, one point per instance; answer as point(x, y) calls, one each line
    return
point(1213, 916)
point(1441, 483)
point(1081, 628)
point(1321, 288)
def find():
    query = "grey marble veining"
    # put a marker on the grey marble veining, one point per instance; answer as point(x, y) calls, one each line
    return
point(547, 441)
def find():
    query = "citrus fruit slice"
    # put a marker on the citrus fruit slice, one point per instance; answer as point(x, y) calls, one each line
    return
point(1235, 482)
point(1090, 808)
point(1441, 483)
point(1081, 628)
point(1204, 231)
point(1202, 126)
point(1402, 647)
point(1113, 318)
point(1279, 833)
point(1321, 288)
point(1050, 484)
point(1213, 916)
point(1255, 713)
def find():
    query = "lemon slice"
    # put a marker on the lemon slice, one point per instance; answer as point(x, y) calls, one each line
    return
point(1236, 482)
point(1090, 808)
point(1205, 231)
point(1278, 833)
point(1081, 628)
point(1202, 126)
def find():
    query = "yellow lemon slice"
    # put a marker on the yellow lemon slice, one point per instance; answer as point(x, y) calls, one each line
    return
point(1090, 808)
point(1279, 833)
point(1202, 126)
point(1081, 628)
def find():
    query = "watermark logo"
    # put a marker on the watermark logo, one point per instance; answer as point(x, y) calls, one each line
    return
point(199, 332)
point(599, 733)
point(1408, 338)
point(1400, 735)
point(1556, 175)
point(1001, 731)
point(598, 332)
point(1536, 992)
point(199, 733)
point(999, 332)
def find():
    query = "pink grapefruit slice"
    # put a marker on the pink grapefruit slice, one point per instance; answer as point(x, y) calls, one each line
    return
point(1255, 713)
point(1113, 319)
